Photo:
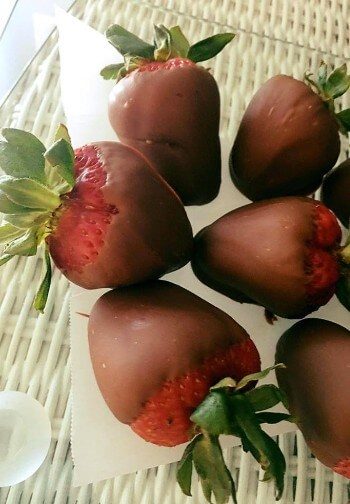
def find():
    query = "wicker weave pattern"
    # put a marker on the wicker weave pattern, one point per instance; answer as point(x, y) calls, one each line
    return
point(274, 36)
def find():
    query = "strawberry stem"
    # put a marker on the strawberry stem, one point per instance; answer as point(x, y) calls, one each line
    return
point(229, 409)
point(329, 87)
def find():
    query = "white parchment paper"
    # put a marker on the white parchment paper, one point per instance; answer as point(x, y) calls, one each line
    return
point(103, 447)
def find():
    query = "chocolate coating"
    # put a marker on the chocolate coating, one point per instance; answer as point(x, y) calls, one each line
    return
point(172, 116)
point(143, 335)
point(256, 254)
point(149, 235)
point(336, 192)
point(286, 142)
point(317, 383)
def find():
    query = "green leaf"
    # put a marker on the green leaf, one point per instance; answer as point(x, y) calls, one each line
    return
point(9, 207)
point(22, 155)
point(266, 451)
point(127, 43)
point(27, 220)
point(184, 468)
point(62, 132)
point(209, 47)
point(257, 376)
point(265, 397)
point(29, 193)
point(338, 82)
point(212, 471)
point(8, 232)
point(322, 76)
point(224, 383)
point(111, 71)
point(270, 417)
point(179, 43)
point(25, 245)
point(5, 258)
point(213, 414)
point(344, 119)
point(43, 292)
point(162, 42)
point(343, 291)
point(61, 157)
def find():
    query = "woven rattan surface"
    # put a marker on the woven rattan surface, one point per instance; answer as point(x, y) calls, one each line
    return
point(274, 36)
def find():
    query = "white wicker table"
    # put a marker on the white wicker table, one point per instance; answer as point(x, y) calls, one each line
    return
point(274, 36)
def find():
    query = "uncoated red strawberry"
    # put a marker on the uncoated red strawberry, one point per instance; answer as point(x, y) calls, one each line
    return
point(168, 107)
point(279, 253)
point(156, 351)
point(105, 216)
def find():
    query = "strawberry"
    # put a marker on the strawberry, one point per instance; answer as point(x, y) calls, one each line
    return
point(288, 138)
point(283, 254)
point(316, 380)
point(157, 351)
point(101, 212)
point(336, 192)
point(168, 107)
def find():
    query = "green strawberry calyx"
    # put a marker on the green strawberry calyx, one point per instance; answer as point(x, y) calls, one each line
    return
point(167, 44)
point(343, 284)
point(34, 183)
point(332, 86)
point(231, 409)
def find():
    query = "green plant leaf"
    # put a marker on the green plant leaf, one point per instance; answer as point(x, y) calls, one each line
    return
point(127, 43)
point(322, 75)
point(21, 155)
point(184, 468)
point(270, 417)
point(265, 397)
point(62, 132)
point(224, 383)
point(344, 119)
point(162, 42)
point(213, 414)
point(25, 245)
point(5, 258)
point(257, 376)
point(29, 193)
point(212, 471)
point(61, 157)
point(27, 220)
point(43, 292)
point(179, 43)
point(343, 291)
point(209, 47)
point(111, 71)
point(9, 207)
point(8, 232)
point(265, 450)
point(338, 82)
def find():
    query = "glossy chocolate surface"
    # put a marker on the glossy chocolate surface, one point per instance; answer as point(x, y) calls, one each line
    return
point(336, 192)
point(150, 233)
point(317, 382)
point(286, 142)
point(143, 335)
point(172, 116)
point(257, 253)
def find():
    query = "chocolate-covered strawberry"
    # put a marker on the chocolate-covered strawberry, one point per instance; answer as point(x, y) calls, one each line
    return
point(316, 380)
point(105, 216)
point(156, 350)
point(168, 107)
point(336, 192)
point(283, 254)
point(289, 135)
